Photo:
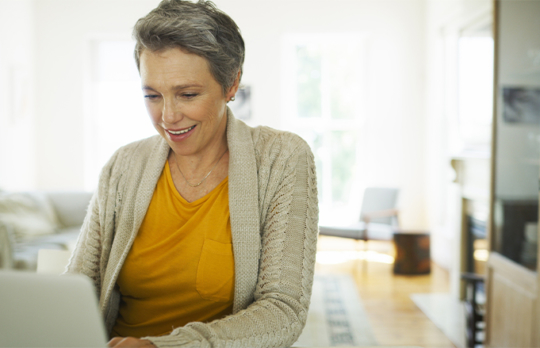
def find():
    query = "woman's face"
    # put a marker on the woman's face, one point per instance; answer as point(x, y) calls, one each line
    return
point(186, 104)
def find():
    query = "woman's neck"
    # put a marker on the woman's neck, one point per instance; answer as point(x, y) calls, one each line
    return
point(193, 166)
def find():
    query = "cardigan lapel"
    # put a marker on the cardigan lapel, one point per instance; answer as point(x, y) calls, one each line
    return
point(243, 208)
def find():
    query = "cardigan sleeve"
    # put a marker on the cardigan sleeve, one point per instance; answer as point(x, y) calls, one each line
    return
point(87, 258)
point(281, 300)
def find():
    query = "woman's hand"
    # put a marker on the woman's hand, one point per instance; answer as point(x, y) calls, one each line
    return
point(129, 342)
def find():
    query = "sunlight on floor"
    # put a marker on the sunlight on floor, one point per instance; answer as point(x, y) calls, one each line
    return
point(394, 318)
point(335, 257)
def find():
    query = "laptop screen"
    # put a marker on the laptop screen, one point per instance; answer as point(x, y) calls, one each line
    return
point(49, 311)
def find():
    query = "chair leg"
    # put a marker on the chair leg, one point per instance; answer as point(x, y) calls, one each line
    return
point(365, 256)
point(356, 261)
point(365, 253)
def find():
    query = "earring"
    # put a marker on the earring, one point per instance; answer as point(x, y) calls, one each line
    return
point(232, 99)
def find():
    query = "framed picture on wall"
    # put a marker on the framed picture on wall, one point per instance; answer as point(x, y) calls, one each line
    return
point(521, 105)
point(241, 107)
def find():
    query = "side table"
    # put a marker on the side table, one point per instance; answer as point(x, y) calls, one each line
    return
point(412, 252)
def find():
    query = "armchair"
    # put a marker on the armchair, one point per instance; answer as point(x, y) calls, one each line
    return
point(378, 217)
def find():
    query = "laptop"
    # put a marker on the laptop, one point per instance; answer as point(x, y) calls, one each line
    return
point(39, 310)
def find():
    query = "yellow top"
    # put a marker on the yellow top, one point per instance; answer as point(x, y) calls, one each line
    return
point(180, 268)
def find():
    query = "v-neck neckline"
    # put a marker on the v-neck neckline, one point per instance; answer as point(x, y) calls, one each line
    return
point(170, 182)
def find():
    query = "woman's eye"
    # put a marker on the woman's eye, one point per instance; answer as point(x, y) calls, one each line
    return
point(189, 95)
point(151, 96)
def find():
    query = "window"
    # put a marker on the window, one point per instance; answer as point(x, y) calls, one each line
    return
point(116, 112)
point(324, 89)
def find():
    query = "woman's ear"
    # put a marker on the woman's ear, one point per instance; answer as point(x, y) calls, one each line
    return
point(234, 87)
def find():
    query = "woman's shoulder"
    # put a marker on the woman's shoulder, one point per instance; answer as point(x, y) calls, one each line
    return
point(143, 147)
point(140, 149)
point(137, 151)
point(267, 140)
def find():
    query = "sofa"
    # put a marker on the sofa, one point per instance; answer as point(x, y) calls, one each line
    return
point(30, 221)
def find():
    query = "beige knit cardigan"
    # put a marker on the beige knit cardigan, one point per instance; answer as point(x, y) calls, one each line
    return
point(274, 216)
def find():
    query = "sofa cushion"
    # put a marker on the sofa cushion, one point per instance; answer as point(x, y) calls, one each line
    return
point(25, 254)
point(66, 238)
point(30, 215)
point(70, 206)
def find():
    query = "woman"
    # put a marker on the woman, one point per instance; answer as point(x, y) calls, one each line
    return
point(203, 235)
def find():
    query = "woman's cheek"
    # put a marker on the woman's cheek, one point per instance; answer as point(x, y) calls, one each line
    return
point(153, 112)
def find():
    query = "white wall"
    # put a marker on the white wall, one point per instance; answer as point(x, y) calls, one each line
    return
point(17, 136)
point(396, 34)
point(63, 28)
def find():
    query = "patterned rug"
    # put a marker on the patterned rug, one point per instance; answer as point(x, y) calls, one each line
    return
point(336, 316)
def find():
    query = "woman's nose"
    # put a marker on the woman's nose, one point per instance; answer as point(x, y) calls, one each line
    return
point(170, 113)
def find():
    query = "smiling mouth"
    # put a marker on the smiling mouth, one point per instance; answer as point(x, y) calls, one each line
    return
point(182, 131)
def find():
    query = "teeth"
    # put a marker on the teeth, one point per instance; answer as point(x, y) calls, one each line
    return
point(182, 131)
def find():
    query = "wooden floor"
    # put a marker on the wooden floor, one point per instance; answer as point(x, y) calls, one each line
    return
point(394, 318)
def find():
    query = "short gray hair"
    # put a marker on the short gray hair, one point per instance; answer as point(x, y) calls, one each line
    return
point(199, 28)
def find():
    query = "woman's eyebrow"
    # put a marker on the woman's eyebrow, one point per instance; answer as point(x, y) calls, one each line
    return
point(189, 85)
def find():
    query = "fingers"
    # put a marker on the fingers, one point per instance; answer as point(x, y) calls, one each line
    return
point(114, 341)
point(129, 342)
